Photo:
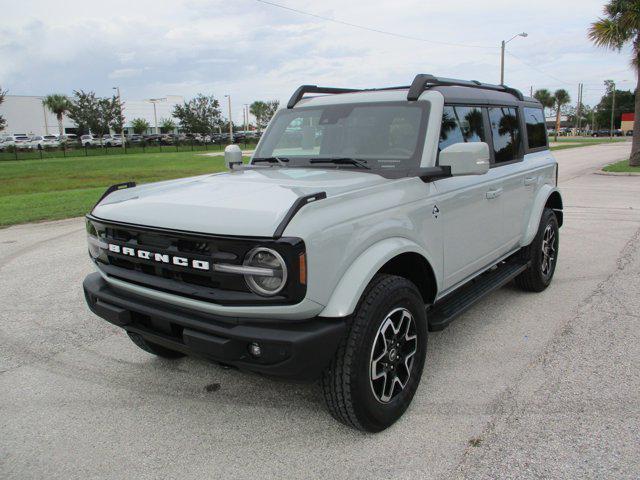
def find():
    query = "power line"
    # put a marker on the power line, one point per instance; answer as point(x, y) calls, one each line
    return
point(370, 29)
point(539, 69)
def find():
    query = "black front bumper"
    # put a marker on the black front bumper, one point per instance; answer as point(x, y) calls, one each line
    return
point(298, 350)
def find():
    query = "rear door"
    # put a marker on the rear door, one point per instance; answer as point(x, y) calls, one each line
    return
point(508, 155)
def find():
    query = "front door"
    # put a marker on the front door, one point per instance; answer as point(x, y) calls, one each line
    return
point(470, 207)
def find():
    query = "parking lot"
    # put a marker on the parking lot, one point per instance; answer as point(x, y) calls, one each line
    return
point(523, 385)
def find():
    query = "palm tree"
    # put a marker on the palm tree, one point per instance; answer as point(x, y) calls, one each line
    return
point(619, 26)
point(560, 97)
point(545, 98)
point(59, 105)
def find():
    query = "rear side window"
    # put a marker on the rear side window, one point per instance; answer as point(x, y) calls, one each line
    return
point(536, 129)
point(461, 124)
point(506, 133)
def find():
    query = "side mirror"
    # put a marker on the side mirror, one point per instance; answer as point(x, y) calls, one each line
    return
point(466, 158)
point(232, 156)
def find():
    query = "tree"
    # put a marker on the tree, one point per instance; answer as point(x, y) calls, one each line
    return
point(545, 98)
point(625, 102)
point(199, 115)
point(560, 97)
point(140, 125)
point(263, 111)
point(58, 104)
point(167, 125)
point(83, 109)
point(3, 122)
point(112, 112)
point(619, 26)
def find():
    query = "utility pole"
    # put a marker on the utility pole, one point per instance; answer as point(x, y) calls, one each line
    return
point(230, 120)
point(579, 108)
point(613, 107)
point(246, 117)
point(124, 146)
point(502, 47)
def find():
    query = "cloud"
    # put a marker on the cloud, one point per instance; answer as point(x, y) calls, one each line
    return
point(251, 50)
point(125, 73)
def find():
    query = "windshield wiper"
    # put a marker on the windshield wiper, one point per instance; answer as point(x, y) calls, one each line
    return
point(342, 161)
point(279, 160)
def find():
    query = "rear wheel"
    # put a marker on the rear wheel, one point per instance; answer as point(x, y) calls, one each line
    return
point(153, 348)
point(377, 368)
point(542, 253)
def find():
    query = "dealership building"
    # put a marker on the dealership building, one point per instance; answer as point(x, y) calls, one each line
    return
point(27, 115)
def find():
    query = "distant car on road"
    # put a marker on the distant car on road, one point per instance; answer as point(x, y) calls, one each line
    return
point(601, 133)
point(629, 133)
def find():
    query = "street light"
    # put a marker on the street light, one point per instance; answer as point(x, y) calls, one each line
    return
point(124, 146)
point(523, 34)
point(155, 116)
point(228, 97)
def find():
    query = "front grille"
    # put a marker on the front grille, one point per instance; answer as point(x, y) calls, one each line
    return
point(210, 285)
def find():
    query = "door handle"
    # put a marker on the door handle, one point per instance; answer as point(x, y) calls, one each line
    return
point(494, 193)
point(530, 181)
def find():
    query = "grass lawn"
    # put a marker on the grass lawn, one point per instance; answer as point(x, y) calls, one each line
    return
point(574, 142)
point(33, 190)
point(621, 166)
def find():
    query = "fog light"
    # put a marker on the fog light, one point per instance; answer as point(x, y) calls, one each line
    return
point(254, 349)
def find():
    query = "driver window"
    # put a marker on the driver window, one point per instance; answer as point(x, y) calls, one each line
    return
point(461, 124)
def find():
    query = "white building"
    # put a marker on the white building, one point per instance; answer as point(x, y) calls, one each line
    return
point(26, 114)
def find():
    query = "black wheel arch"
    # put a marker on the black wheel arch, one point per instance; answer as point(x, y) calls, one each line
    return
point(417, 269)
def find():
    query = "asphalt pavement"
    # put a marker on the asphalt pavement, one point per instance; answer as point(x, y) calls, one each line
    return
point(522, 386)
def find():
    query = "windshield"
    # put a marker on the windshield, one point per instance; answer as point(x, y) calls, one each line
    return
point(383, 136)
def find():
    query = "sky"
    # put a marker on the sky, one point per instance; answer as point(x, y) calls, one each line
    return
point(252, 50)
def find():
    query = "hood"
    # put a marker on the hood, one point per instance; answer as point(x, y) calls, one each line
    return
point(244, 203)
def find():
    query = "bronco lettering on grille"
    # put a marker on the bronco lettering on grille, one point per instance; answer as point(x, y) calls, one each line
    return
point(160, 257)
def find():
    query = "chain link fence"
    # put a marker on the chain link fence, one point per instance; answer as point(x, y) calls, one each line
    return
point(76, 150)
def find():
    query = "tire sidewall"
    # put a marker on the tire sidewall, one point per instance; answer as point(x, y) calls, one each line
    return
point(373, 414)
point(548, 217)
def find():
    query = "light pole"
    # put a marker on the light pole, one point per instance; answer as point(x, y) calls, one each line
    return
point(523, 34)
point(124, 146)
point(155, 116)
point(230, 121)
point(245, 110)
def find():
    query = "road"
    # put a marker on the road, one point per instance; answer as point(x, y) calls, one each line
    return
point(522, 386)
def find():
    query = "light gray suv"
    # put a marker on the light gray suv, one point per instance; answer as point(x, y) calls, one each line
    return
point(365, 219)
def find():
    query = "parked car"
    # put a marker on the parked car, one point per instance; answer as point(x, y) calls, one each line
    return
point(332, 258)
point(601, 133)
point(111, 140)
point(43, 141)
point(89, 141)
point(68, 139)
point(629, 133)
point(16, 140)
point(134, 138)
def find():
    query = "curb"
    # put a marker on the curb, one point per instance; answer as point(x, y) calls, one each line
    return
point(618, 174)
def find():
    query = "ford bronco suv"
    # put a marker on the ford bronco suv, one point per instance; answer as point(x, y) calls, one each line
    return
point(364, 220)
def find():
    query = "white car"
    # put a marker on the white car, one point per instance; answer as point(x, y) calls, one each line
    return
point(112, 140)
point(90, 141)
point(43, 141)
point(365, 220)
point(17, 140)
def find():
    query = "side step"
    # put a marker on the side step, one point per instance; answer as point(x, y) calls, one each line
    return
point(445, 310)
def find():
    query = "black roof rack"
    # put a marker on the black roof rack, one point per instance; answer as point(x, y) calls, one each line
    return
point(299, 93)
point(424, 81)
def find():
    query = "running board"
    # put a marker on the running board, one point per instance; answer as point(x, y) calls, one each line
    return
point(445, 310)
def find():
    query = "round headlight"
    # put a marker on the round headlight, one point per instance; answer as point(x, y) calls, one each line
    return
point(274, 276)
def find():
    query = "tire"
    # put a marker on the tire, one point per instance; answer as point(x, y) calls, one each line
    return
point(153, 348)
point(352, 395)
point(543, 265)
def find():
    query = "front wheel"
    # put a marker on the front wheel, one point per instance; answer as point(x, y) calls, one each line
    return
point(377, 368)
point(542, 253)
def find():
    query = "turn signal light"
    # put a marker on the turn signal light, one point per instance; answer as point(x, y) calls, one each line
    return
point(302, 262)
